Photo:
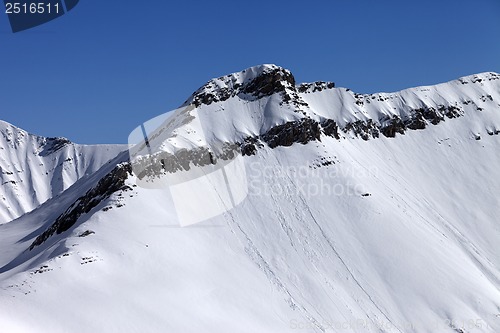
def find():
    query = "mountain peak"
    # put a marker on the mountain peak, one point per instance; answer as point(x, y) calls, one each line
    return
point(15, 136)
point(12, 135)
point(8, 127)
point(34, 168)
point(251, 83)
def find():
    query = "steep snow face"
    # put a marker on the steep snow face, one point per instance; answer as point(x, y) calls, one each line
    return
point(34, 169)
point(413, 108)
point(359, 218)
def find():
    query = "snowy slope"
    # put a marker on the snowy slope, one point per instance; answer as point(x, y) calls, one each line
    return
point(365, 213)
point(34, 169)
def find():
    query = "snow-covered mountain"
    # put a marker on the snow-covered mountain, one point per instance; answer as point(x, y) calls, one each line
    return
point(34, 169)
point(363, 213)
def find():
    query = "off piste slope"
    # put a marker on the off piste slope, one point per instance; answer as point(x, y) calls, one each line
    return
point(34, 168)
point(364, 213)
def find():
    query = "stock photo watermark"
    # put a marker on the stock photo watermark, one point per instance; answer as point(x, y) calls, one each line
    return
point(207, 177)
point(204, 177)
point(304, 180)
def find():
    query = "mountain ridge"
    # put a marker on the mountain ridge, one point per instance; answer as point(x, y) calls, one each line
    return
point(304, 112)
point(353, 220)
point(34, 168)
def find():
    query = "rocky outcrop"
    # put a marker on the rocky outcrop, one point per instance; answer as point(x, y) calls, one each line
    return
point(392, 126)
point(272, 80)
point(416, 119)
point(155, 165)
point(269, 83)
point(51, 145)
point(307, 88)
point(330, 128)
point(111, 183)
point(363, 129)
point(300, 131)
point(249, 146)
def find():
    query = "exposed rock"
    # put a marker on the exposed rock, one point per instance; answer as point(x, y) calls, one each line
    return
point(51, 145)
point(450, 111)
point(315, 86)
point(111, 183)
point(156, 164)
point(330, 128)
point(300, 131)
point(493, 132)
point(86, 233)
point(393, 126)
point(270, 82)
point(363, 129)
point(249, 146)
point(416, 122)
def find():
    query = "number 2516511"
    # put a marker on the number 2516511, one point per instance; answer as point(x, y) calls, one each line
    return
point(31, 8)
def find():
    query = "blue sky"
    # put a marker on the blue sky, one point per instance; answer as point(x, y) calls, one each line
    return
point(97, 72)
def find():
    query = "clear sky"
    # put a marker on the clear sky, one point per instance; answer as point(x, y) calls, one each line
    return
point(97, 72)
